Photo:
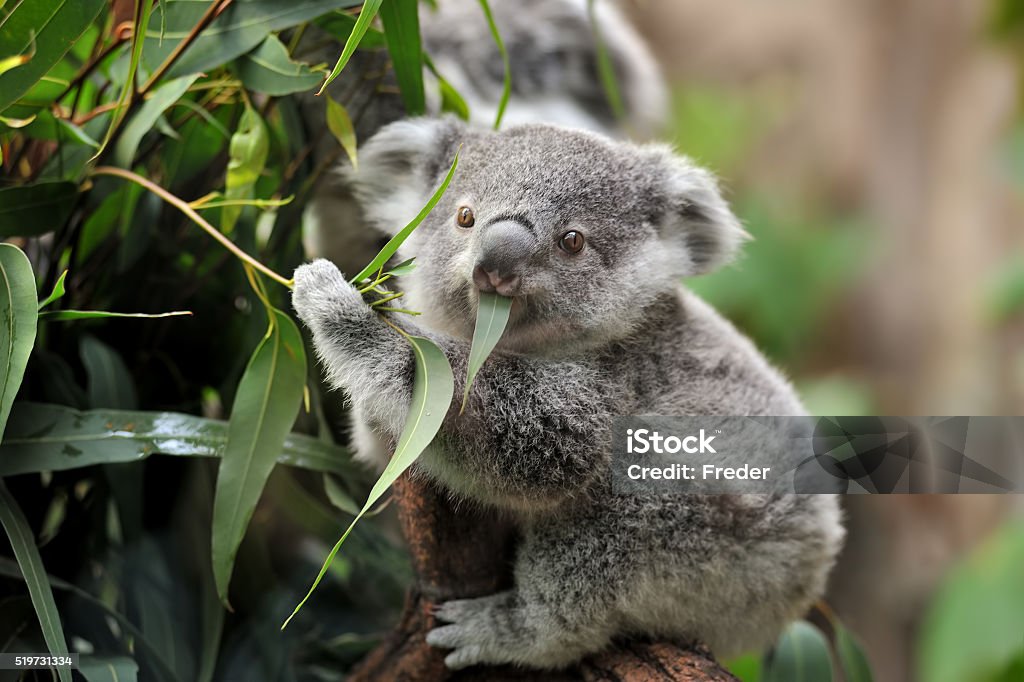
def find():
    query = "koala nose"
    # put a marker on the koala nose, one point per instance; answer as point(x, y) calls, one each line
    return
point(506, 247)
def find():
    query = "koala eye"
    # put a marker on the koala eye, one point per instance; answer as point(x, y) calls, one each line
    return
point(464, 217)
point(571, 242)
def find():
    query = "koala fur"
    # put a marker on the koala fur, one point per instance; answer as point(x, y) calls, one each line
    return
point(607, 331)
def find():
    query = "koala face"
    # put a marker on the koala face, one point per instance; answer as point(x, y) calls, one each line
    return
point(581, 231)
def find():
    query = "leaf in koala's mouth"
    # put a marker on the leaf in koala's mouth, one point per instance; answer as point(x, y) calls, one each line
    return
point(492, 315)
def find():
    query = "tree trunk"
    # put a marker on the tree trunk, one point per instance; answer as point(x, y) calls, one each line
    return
point(464, 554)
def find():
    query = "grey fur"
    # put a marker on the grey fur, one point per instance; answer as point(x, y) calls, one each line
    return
point(606, 332)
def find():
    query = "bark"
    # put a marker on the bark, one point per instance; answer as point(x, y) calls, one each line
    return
point(462, 554)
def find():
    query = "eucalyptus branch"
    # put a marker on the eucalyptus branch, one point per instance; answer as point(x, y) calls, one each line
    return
point(184, 207)
point(212, 12)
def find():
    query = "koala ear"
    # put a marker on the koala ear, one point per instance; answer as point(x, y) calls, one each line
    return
point(400, 166)
point(697, 217)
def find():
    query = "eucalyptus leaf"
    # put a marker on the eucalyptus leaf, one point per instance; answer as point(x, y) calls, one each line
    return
point(392, 246)
point(31, 210)
point(44, 30)
point(366, 15)
point(109, 382)
point(801, 655)
point(266, 404)
point(851, 657)
point(248, 150)
point(269, 69)
point(506, 88)
point(340, 125)
point(146, 117)
point(451, 100)
point(402, 31)
point(65, 315)
point(44, 437)
point(18, 315)
point(108, 669)
point(57, 293)
point(492, 316)
point(27, 554)
point(433, 388)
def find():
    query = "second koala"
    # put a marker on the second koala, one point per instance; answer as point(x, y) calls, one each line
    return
point(590, 237)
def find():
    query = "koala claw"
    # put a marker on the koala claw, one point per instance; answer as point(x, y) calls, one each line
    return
point(472, 632)
point(321, 289)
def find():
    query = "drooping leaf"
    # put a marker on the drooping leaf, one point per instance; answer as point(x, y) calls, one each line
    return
point(340, 25)
point(27, 554)
point(366, 15)
point(402, 31)
point(57, 293)
point(973, 628)
point(145, 118)
point(266, 404)
point(237, 30)
point(801, 655)
point(506, 88)
point(31, 210)
point(491, 319)
point(108, 669)
point(451, 100)
point(853, 662)
point(392, 246)
point(433, 388)
point(109, 382)
point(605, 68)
point(42, 437)
point(248, 149)
point(44, 29)
point(340, 125)
point(269, 69)
point(65, 315)
point(18, 315)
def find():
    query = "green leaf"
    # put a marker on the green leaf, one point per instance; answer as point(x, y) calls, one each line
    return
point(110, 384)
point(492, 315)
point(145, 118)
point(403, 268)
point(57, 293)
point(366, 15)
point(851, 657)
point(746, 667)
point(18, 314)
point(241, 27)
point(47, 27)
point(46, 126)
point(340, 125)
point(506, 89)
point(973, 628)
point(451, 99)
point(108, 669)
point(392, 246)
point(31, 210)
point(433, 388)
point(65, 315)
point(20, 535)
point(605, 69)
point(266, 404)
point(801, 655)
point(42, 437)
point(143, 11)
point(339, 497)
point(269, 69)
point(402, 31)
point(248, 157)
point(340, 25)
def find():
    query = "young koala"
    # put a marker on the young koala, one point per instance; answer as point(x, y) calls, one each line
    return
point(590, 238)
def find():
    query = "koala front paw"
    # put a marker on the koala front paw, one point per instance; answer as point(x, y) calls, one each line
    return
point(321, 292)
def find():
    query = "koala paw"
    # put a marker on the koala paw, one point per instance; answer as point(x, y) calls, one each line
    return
point(473, 632)
point(321, 292)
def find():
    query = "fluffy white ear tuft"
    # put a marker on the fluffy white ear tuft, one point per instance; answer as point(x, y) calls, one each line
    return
point(398, 167)
point(698, 215)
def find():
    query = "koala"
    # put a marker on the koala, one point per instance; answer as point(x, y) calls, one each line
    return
point(590, 237)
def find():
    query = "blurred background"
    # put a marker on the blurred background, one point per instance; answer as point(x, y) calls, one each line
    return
point(875, 151)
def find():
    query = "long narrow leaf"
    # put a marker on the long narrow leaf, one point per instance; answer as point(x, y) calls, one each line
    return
point(392, 246)
point(266, 404)
point(433, 388)
point(25, 551)
point(18, 315)
point(801, 655)
point(65, 315)
point(506, 89)
point(605, 68)
point(491, 319)
point(366, 15)
point(43, 437)
point(57, 293)
point(402, 31)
